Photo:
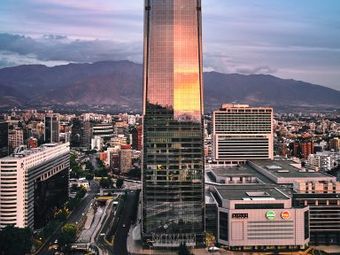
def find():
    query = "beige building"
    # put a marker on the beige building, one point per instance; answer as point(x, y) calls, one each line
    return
point(125, 158)
point(15, 138)
point(241, 133)
point(259, 217)
point(318, 190)
point(334, 144)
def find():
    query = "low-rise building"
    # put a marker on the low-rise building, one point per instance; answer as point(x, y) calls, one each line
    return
point(323, 161)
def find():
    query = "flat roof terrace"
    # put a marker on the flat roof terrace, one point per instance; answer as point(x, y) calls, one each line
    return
point(287, 171)
point(251, 192)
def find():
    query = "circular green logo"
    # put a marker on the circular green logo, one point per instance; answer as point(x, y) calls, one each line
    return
point(270, 215)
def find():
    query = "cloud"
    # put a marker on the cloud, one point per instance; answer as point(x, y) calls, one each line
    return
point(9, 59)
point(58, 49)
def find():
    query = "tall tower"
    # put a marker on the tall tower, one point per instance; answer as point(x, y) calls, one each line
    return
point(51, 129)
point(173, 163)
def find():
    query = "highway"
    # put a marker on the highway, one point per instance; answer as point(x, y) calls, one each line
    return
point(124, 223)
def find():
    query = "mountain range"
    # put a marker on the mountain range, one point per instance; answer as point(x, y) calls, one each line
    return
point(120, 83)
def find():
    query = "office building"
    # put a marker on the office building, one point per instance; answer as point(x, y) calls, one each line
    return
point(334, 144)
point(33, 182)
point(316, 190)
point(4, 147)
point(51, 134)
point(125, 158)
point(241, 133)
point(96, 143)
point(173, 170)
point(319, 191)
point(81, 133)
point(137, 134)
point(15, 138)
point(259, 217)
point(102, 130)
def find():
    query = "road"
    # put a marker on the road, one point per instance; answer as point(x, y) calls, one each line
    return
point(124, 224)
point(109, 217)
point(75, 216)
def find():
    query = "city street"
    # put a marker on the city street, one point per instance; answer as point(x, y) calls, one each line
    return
point(119, 246)
point(75, 216)
point(105, 248)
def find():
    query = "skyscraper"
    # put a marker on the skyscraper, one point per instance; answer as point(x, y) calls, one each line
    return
point(51, 129)
point(173, 164)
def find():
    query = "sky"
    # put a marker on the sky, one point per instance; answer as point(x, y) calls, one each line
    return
point(292, 39)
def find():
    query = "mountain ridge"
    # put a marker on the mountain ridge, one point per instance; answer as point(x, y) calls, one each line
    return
point(120, 83)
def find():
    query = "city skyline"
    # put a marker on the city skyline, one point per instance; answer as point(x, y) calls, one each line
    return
point(80, 176)
point(283, 38)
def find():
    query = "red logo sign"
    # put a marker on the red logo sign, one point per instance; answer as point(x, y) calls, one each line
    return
point(285, 215)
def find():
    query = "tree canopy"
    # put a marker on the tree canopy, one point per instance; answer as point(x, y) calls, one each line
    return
point(15, 241)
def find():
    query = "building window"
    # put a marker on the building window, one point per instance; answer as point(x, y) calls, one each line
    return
point(223, 225)
point(306, 224)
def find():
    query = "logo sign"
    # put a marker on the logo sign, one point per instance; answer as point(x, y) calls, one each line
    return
point(239, 216)
point(285, 215)
point(270, 215)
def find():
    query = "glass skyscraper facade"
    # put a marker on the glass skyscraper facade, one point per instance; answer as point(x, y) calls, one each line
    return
point(173, 164)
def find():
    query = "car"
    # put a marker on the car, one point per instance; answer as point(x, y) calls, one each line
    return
point(213, 249)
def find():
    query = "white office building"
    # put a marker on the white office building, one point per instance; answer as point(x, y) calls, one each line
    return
point(30, 183)
point(241, 133)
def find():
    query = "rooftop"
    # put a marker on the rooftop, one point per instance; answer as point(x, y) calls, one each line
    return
point(235, 171)
point(23, 151)
point(251, 192)
point(228, 171)
point(287, 169)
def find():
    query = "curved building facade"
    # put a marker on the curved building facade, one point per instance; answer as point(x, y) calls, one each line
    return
point(173, 164)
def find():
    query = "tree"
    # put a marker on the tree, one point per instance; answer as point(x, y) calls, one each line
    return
point(50, 228)
point(76, 170)
point(119, 183)
point(89, 176)
point(15, 241)
point(210, 239)
point(68, 234)
point(101, 172)
point(89, 166)
point(81, 192)
point(61, 214)
point(106, 183)
point(183, 250)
